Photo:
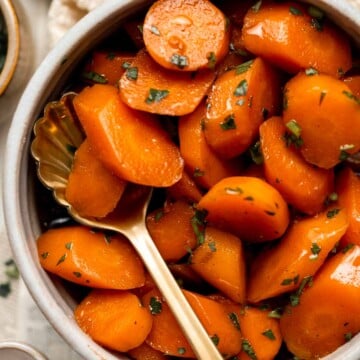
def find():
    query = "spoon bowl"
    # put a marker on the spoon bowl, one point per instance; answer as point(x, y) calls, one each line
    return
point(57, 135)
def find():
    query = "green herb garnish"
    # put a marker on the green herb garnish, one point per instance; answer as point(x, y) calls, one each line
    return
point(156, 95)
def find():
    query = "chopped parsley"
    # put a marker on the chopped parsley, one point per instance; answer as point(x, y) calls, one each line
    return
point(156, 95)
point(198, 172)
point(315, 12)
point(69, 245)
point(294, 128)
point(346, 248)
point(61, 260)
point(348, 336)
point(269, 334)
point(132, 73)
point(234, 319)
point(211, 60)
point(276, 313)
point(295, 11)
point(317, 24)
point(198, 224)
point(311, 71)
point(155, 306)
point(248, 349)
point(256, 6)
point(242, 88)
point(181, 350)
point(5, 289)
point(12, 273)
point(289, 281)
point(158, 215)
point(332, 213)
point(315, 250)
point(77, 274)
point(212, 246)
point(94, 77)
point(256, 154)
point(295, 297)
point(215, 339)
point(351, 96)
point(244, 67)
point(228, 123)
point(181, 61)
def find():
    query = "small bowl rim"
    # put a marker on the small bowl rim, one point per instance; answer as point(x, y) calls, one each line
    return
point(19, 221)
point(12, 55)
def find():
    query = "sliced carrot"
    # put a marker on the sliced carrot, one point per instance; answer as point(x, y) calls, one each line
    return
point(248, 207)
point(171, 230)
point(206, 167)
point(147, 86)
point(272, 32)
point(146, 352)
point(130, 143)
point(217, 321)
point(186, 35)
point(325, 115)
point(237, 104)
point(106, 67)
point(110, 316)
point(262, 338)
point(299, 254)
point(348, 193)
point(166, 335)
point(302, 185)
point(92, 190)
point(184, 189)
point(325, 317)
point(86, 257)
point(220, 261)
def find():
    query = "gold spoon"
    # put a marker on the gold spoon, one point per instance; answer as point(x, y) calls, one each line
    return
point(57, 135)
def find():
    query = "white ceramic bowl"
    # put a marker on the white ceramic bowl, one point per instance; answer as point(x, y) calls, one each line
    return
point(18, 191)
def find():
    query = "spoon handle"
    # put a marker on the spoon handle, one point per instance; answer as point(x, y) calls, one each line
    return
point(200, 341)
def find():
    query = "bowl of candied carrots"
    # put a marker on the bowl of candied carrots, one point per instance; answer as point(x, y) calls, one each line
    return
point(244, 120)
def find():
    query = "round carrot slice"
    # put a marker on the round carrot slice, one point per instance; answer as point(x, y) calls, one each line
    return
point(186, 35)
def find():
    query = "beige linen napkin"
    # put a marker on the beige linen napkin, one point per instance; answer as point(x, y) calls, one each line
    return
point(63, 14)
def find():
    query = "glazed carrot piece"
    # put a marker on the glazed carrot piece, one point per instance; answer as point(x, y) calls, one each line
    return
point(146, 352)
point(247, 207)
point(184, 274)
point(220, 261)
point(110, 316)
point(206, 167)
point(171, 230)
point(92, 190)
point(272, 32)
point(130, 143)
point(147, 86)
point(186, 35)
point(302, 185)
point(261, 334)
point(299, 254)
point(217, 321)
point(348, 192)
point(237, 105)
point(107, 67)
point(325, 115)
point(184, 189)
point(324, 318)
point(89, 258)
point(166, 335)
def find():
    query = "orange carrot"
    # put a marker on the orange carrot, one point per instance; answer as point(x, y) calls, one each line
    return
point(237, 105)
point(92, 190)
point(262, 338)
point(146, 352)
point(325, 317)
point(348, 192)
point(106, 67)
point(171, 230)
point(299, 254)
point(130, 143)
point(247, 207)
point(86, 257)
point(220, 261)
point(166, 335)
point(147, 86)
point(184, 189)
point(186, 35)
point(184, 274)
point(272, 32)
point(110, 316)
point(206, 167)
point(302, 185)
point(324, 114)
point(217, 321)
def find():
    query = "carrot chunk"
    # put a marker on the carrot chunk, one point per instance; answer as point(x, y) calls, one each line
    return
point(110, 316)
point(130, 143)
point(237, 103)
point(186, 35)
point(272, 31)
point(302, 185)
point(92, 190)
point(299, 253)
point(248, 207)
point(86, 257)
point(325, 317)
point(325, 117)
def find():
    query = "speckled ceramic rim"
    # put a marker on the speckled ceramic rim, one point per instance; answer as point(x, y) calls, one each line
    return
point(20, 216)
point(12, 54)
point(22, 347)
